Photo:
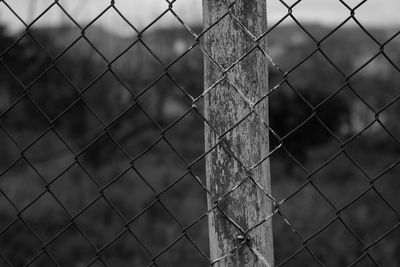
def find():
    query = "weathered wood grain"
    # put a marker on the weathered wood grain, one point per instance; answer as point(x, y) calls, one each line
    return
point(249, 141)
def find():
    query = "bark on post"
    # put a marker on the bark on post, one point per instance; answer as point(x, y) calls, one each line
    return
point(226, 42)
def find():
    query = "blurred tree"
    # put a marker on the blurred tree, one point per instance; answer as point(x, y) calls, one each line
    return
point(289, 109)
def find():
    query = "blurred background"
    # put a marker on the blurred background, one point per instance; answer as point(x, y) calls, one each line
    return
point(95, 135)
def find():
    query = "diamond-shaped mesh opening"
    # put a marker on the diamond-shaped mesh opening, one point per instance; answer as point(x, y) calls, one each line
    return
point(380, 73)
point(15, 236)
point(101, 210)
point(21, 117)
point(62, 36)
point(25, 48)
point(295, 211)
point(187, 70)
point(108, 44)
point(172, 198)
point(367, 161)
point(96, 157)
point(285, 39)
point(39, 14)
point(368, 206)
point(55, 216)
point(341, 170)
point(134, 129)
point(74, 242)
point(165, 102)
point(338, 234)
point(104, 92)
point(74, 199)
point(52, 102)
point(133, 184)
point(137, 17)
point(89, 12)
point(80, 47)
point(58, 157)
point(325, 79)
point(156, 236)
point(176, 38)
point(21, 184)
point(124, 248)
point(76, 127)
point(162, 155)
point(189, 146)
point(360, 54)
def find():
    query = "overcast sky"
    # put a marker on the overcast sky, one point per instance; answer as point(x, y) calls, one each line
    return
point(142, 12)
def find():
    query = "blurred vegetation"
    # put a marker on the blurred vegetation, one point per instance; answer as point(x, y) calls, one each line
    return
point(66, 101)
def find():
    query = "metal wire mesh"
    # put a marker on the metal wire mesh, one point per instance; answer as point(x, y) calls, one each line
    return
point(116, 192)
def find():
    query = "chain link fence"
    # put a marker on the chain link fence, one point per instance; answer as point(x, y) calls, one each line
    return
point(102, 139)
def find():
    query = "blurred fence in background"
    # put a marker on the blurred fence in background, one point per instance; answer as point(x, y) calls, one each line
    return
point(102, 140)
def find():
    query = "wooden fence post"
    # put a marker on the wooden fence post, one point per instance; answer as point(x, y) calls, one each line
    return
point(248, 142)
